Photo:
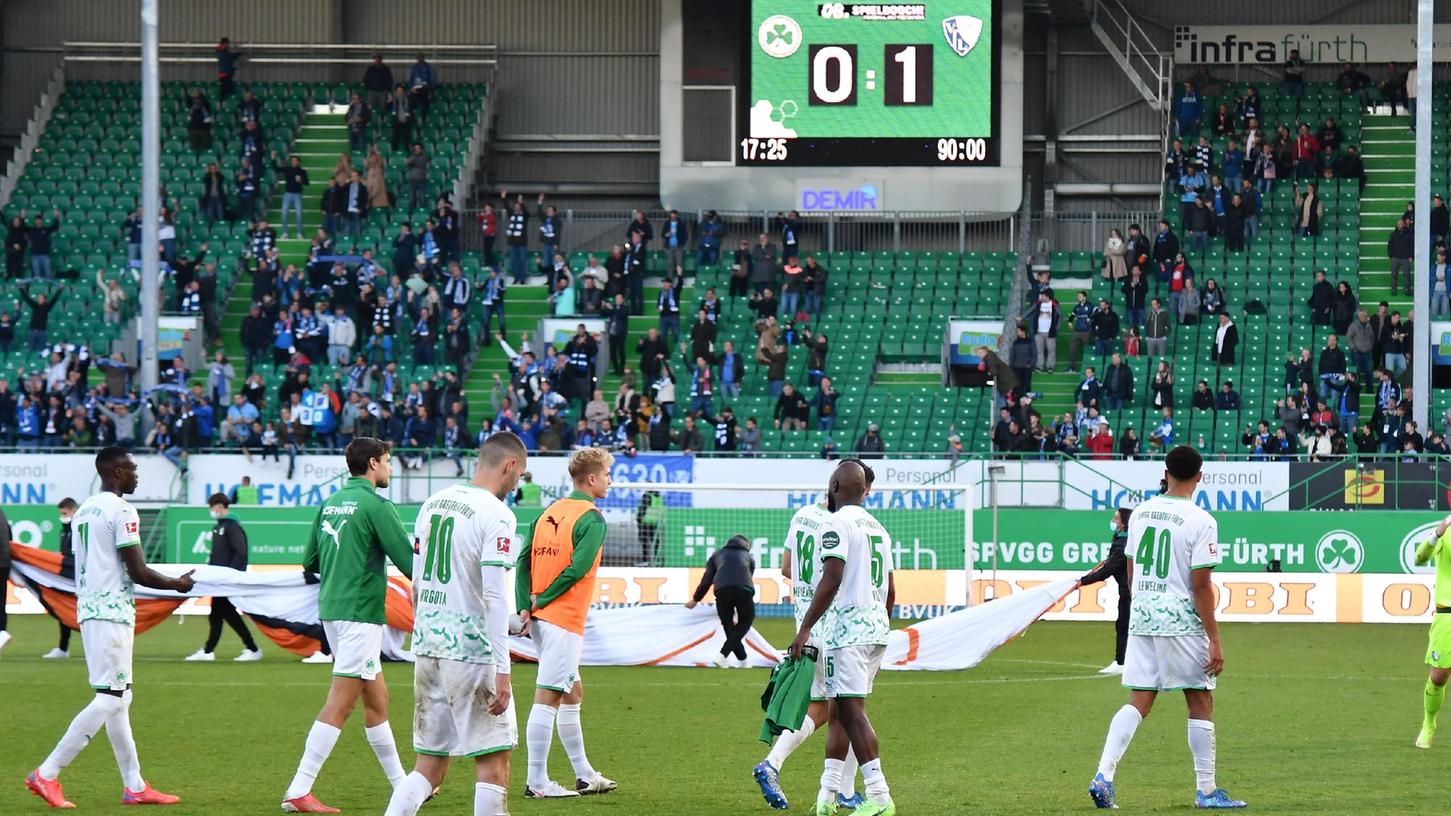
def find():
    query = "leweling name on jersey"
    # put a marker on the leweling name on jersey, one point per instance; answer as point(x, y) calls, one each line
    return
point(339, 509)
point(451, 506)
point(433, 596)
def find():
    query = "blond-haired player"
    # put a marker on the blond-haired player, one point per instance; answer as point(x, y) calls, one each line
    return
point(554, 587)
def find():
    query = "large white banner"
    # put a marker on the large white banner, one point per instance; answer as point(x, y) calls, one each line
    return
point(1325, 44)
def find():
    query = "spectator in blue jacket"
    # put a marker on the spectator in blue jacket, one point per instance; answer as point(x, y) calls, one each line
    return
point(420, 85)
point(674, 236)
point(226, 66)
point(1188, 110)
point(707, 252)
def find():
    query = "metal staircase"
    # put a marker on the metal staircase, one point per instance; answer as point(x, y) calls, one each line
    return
point(1148, 69)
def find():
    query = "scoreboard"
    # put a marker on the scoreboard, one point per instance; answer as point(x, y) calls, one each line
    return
point(853, 84)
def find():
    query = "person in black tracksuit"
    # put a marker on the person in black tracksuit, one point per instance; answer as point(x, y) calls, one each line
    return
point(229, 549)
point(730, 570)
point(1116, 566)
point(66, 510)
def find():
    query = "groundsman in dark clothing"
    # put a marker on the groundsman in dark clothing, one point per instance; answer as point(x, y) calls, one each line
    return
point(229, 549)
point(1116, 566)
point(730, 571)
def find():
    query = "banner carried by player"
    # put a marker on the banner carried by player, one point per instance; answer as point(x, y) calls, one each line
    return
point(669, 635)
point(283, 605)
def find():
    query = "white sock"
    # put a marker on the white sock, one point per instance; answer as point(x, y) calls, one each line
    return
point(320, 741)
point(571, 735)
point(488, 800)
point(380, 737)
point(789, 741)
point(538, 734)
point(847, 787)
point(123, 745)
point(1120, 734)
point(78, 735)
point(830, 779)
point(1201, 745)
point(875, 782)
point(409, 795)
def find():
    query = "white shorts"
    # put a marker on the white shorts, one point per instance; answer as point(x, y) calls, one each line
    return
point(818, 680)
point(559, 651)
point(108, 647)
point(451, 710)
point(1167, 663)
point(357, 648)
point(850, 670)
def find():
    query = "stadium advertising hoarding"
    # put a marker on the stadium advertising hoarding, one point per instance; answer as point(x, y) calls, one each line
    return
point(1326, 44)
point(1246, 598)
point(37, 478)
point(1371, 485)
point(687, 536)
point(964, 337)
point(1104, 485)
point(1301, 541)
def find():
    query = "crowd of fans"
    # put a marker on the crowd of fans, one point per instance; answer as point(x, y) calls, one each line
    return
point(1347, 398)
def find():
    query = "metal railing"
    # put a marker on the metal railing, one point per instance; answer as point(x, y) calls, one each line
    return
point(283, 54)
point(598, 230)
point(895, 231)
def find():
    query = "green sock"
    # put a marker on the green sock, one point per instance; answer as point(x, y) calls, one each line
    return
point(1434, 695)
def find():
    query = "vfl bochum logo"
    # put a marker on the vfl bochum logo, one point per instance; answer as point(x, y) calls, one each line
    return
point(962, 33)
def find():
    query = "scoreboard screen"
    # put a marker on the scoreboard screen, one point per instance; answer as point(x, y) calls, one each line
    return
point(853, 84)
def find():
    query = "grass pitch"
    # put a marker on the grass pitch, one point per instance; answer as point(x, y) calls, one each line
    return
point(1312, 719)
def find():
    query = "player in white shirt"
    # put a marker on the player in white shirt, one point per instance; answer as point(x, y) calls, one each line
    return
point(463, 543)
point(1173, 546)
point(854, 561)
point(109, 563)
point(806, 528)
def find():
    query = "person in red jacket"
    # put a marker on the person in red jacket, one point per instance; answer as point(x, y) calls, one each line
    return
point(1100, 444)
point(1306, 146)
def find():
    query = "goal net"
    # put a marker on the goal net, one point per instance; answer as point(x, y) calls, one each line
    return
point(680, 525)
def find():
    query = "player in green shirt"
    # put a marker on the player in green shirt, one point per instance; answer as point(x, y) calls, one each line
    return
point(355, 529)
point(1438, 650)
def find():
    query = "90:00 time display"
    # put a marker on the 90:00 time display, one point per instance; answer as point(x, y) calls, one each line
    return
point(954, 150)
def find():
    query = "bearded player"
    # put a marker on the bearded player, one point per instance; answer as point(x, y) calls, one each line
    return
point(355, 530)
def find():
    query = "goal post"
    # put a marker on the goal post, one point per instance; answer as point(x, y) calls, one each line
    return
point(657, 524)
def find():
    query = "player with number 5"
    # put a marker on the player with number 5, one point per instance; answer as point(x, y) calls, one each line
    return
point(1173, 546)
point(852, 579)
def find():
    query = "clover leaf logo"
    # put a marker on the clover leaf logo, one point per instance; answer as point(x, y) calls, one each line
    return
point(779, 36)
point(1339, 551)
